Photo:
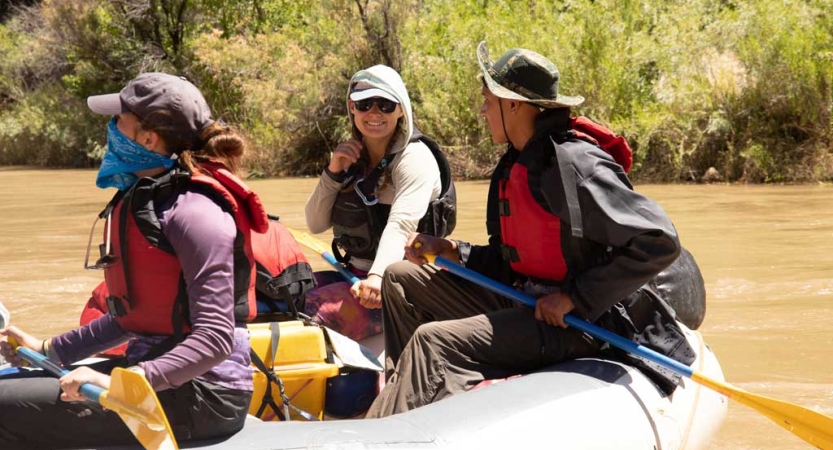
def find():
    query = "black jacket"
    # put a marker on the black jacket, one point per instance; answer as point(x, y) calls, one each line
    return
point(627, 240)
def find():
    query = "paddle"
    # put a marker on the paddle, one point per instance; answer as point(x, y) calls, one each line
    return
point(130, 396)
point(322, 249)
point(813, 427)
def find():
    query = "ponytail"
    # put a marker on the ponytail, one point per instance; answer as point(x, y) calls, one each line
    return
point(220, 142)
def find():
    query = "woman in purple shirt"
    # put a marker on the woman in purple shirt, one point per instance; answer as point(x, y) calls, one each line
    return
point(179, 271)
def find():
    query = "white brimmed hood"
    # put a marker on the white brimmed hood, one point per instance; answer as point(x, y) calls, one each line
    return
point(388, 80)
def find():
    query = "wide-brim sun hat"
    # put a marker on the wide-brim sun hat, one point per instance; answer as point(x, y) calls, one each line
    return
point(524, 75)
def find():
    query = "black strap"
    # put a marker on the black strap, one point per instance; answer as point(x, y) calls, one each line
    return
point(337, 252)
point(568, 180)
point(272, 377)
point(267, 400)
point(290, 302)
point(372, 178)
point(503, 207)
point(115, 304)
point(509, 253)
point(439, 155)
point(275, 329)
point(501, 173)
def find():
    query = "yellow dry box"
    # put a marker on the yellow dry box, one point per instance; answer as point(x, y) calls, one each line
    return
point(300, 364)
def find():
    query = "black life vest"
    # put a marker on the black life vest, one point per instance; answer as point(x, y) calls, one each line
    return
point(357, 227)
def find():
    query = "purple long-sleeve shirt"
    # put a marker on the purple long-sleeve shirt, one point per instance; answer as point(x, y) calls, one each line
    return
point(217, 349)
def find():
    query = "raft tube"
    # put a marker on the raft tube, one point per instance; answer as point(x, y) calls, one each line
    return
point(578, 405)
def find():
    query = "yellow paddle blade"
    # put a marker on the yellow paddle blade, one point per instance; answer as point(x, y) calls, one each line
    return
point(131, 396)
point(812, 426)
point(309, 241)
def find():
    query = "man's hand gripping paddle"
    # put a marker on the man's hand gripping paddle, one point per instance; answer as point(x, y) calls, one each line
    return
point(812, 426)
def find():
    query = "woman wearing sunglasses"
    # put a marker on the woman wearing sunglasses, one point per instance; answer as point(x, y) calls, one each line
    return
point(380, 185)
point(177, 262)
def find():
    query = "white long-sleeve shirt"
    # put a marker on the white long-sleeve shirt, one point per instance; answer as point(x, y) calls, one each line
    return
point(415, 182)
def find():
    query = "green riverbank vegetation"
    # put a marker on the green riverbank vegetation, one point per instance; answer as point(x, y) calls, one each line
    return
point(743, 87)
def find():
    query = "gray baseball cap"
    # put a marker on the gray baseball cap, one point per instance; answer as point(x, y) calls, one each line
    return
point(154, 91)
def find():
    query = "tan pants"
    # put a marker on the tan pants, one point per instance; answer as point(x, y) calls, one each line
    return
point(444, 335)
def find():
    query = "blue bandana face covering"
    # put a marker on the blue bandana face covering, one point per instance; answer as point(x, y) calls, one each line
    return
point(123, 157)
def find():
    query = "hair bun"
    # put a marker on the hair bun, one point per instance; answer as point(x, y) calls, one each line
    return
point(214, 129)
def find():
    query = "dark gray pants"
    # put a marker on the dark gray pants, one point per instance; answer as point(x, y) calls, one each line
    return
point(444, 335)
point(32, 415)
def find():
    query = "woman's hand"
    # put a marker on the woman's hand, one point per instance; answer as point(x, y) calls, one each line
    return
point(419, 244)
point(551, 308)
point(345, 154)
point(7, 350)
point(369, 291)
point(71, 382)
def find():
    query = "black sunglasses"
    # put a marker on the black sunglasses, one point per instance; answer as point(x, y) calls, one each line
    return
point(385, 105)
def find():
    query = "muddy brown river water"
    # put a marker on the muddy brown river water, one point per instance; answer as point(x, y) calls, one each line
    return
point(766, 253)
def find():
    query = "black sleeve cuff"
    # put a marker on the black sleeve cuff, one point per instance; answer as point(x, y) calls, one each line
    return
point(337, 177)
point(463, 251)
point(583, 309)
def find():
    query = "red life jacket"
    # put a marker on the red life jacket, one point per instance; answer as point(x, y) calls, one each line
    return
point(283, 271)
point(147, 289)
point(604, 138)
point(281, 267)
point(586, 130)
point(531, 235)
point(96, 307)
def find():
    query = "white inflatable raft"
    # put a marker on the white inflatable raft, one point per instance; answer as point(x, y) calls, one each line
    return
point(578, 405)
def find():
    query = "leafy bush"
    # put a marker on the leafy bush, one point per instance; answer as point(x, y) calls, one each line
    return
point(744, 87)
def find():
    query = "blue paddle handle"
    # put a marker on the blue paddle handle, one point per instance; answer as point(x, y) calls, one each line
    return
point(88, 390)
point(571, 320)
point(340, 267)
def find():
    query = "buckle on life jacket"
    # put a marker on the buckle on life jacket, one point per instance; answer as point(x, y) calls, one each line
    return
point(115, 306)
point(509, 253)
point(503, 207)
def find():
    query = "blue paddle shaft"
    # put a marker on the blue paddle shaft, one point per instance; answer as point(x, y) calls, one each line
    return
point(339, 267)
point(571, 320)
point(88, 390)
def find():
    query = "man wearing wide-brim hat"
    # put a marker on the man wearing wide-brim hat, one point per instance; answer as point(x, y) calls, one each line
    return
point(565, 226)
